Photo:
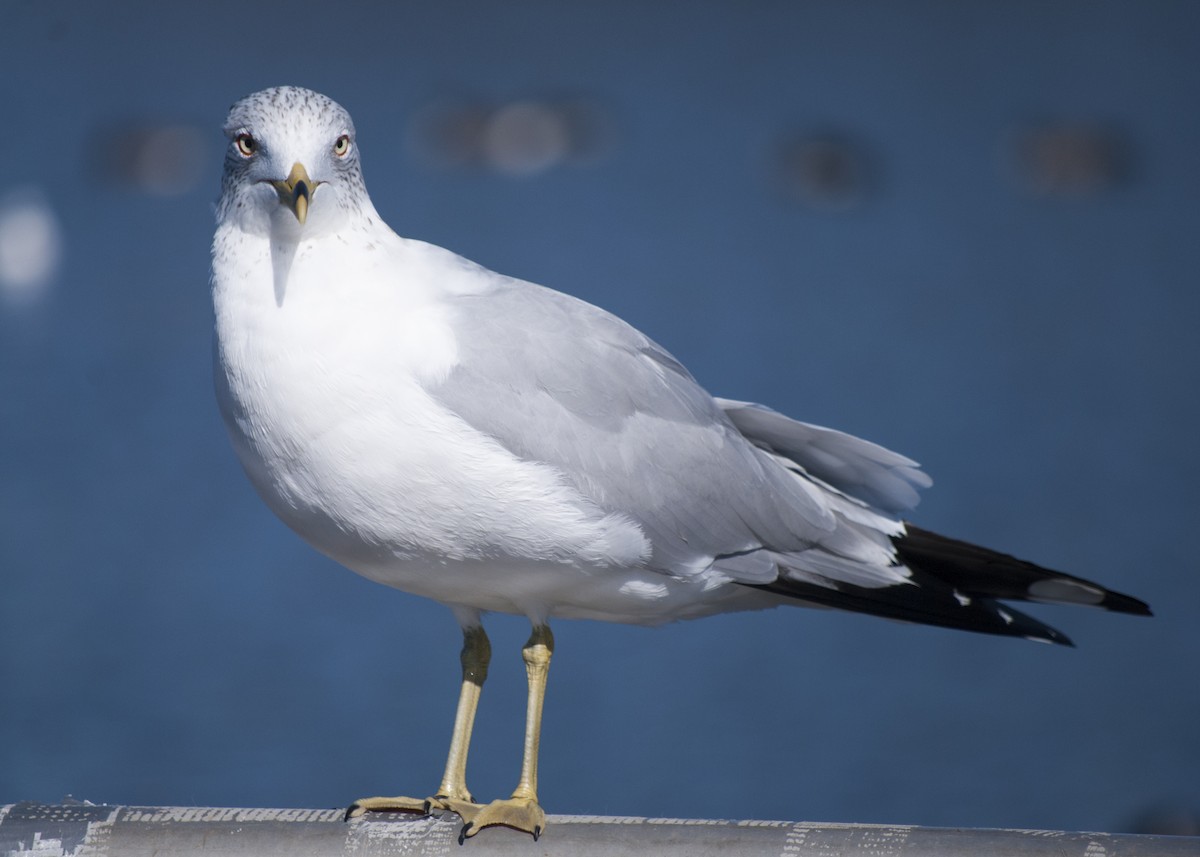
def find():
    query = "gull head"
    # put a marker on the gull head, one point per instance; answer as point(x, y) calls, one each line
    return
point(291, 168)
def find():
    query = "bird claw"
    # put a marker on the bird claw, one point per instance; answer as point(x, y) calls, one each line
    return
point(423, 806)
point(519, 813)
point(522, 814)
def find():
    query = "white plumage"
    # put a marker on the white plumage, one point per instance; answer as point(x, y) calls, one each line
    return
point(497, 446)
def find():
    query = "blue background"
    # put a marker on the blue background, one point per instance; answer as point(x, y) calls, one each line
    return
point(164, 640)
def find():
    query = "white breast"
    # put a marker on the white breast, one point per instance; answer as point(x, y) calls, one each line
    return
point(322, 366)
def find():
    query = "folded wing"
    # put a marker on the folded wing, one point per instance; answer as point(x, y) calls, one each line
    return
point(801, 511)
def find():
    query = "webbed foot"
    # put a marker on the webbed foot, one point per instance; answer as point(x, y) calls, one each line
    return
point(518, 813)
point(424, 806)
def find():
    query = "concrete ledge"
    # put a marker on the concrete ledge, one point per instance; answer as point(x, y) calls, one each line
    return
point(86, 830)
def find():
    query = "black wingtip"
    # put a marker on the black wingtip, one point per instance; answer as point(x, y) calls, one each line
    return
point(1056, 637)
point(978, 570)
point(1120, 603)
point(1018, 624)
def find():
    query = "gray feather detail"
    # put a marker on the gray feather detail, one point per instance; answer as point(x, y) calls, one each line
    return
point(857, 468)
point(562, 382)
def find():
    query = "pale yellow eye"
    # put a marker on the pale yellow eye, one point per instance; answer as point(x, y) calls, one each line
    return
point(341, 145)
point(246, 145)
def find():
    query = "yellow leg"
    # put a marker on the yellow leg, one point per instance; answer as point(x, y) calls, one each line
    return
point(521, 811)
point(452, 794)
point(476, 654)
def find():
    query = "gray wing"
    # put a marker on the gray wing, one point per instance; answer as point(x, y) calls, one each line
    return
point(799, 511)
point(867, 472)
point(559, 381)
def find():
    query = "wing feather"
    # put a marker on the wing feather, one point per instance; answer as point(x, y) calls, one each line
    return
point(805, 512)
point(562, 382)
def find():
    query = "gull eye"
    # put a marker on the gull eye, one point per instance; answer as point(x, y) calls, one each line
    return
point(246, 145)
point(341, 146)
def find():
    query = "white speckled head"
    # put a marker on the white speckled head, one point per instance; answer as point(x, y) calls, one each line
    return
point(292, 168)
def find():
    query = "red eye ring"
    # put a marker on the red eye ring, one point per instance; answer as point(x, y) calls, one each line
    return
point(341, 146)
point(246, 145)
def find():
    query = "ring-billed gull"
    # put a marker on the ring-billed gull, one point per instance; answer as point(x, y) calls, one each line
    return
point(498, 446)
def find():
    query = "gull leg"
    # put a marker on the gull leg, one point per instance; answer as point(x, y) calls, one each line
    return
point(452, 794)
point(521, 811)
point(476, 654)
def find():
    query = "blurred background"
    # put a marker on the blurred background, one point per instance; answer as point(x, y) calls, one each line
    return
point(967, 231)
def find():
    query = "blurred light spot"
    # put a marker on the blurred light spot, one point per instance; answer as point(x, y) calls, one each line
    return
point(825, 171)
point(1065, 159)
point(30, 245)
point(162, 160)
point(522, 138)
point(449, 136)
point(526, 138)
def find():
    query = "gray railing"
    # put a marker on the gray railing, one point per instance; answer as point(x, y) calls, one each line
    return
point(88, 830)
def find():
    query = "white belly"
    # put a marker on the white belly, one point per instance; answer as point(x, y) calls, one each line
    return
point(327, 409)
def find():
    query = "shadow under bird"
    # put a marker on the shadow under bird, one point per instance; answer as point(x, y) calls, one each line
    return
point(499, 446)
